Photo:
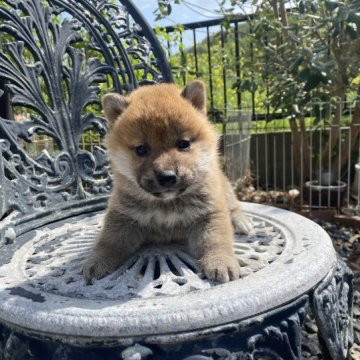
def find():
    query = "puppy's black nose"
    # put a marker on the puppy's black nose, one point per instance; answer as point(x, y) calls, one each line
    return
point(166, 178)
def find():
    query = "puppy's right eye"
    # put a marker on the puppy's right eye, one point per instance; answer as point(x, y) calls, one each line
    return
point(183, 145)
point(141, 150)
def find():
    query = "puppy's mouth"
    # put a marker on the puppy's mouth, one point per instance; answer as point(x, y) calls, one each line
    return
point(163, 192)
point(167, 193)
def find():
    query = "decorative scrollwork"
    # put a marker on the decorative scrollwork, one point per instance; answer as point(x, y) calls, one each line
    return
point(274, 336)
point(56, 58)
point(332, 303)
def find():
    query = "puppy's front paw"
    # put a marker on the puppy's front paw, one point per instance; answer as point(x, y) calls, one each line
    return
point(242, 224)
point(220, 268)
point(97, 267)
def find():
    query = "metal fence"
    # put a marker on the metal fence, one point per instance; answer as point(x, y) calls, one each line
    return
point(215, 51)
point(316, 167)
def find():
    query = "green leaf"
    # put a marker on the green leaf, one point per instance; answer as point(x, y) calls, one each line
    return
point(307, 51)
point(321, 49)
point(302, 8)
point(331, 5)
point(313, 81)
point(305, 99)
point(236, 85)
point(248, 85)
point(343, 14)
point(304, 75)
point(318, 113)
point(226, 23)
point(313, 7)
point(296, 63)
point(354, 18)
point(294, 38)
point(329, 65)
point(336, 30)
point(352, 31)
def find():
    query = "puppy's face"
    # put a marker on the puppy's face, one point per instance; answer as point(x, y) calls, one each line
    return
point(160, 139)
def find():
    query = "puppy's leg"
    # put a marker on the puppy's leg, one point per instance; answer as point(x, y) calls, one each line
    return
point(212, 243)
point(241, 223)
point(118, 240)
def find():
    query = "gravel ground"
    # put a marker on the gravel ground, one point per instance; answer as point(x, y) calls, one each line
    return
point(347, 243)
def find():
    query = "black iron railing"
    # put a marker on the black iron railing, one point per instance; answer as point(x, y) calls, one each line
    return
point(194, 51)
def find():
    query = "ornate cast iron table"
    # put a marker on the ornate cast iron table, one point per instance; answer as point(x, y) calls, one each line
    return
point(158, 305)
point(56, 57)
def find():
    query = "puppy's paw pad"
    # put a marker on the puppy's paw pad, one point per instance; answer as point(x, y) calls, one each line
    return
point(242, 225)
point(222, 269)
point(97, 269)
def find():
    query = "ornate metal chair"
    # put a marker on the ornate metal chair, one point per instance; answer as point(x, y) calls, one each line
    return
point(56, 58)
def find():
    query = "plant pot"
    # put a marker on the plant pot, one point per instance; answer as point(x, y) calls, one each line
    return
point(326, 177)
point(324, 195)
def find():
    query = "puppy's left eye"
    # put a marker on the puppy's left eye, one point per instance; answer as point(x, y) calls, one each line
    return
point(183, 145)
point(142, 150)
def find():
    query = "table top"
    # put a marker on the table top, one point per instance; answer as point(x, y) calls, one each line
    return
point(160, 292)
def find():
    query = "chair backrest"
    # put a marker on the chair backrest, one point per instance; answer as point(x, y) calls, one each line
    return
point(57, 57)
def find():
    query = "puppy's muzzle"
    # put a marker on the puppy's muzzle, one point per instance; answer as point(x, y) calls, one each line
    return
point(166, 178)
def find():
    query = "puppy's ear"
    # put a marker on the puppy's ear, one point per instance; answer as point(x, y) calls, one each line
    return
point(114, 105)
point(195, 92)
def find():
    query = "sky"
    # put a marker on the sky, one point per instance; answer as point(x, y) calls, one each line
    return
point(188, 11)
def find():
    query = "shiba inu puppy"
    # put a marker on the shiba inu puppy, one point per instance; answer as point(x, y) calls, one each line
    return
point(168, 182)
